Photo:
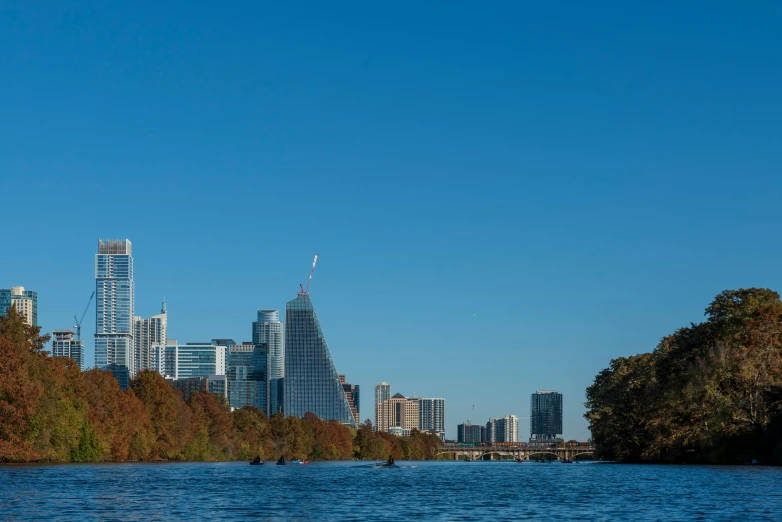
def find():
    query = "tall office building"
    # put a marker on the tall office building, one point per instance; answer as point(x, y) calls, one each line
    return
point(25, 302)
point(114, 301)
point(147, 333)
point(432, 416)
point(311, 379)
point(269, 335)
point(382, 393)
point(183, 361)
point(546, 416)
point(399, 412)
point(503, 429)
point(468, 433)
point(247, 376)
point(64, 345)
point(352, 395)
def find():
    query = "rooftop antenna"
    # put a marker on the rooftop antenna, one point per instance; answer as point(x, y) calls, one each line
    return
point(77, 327)
point(305, 291)
point(471, 412)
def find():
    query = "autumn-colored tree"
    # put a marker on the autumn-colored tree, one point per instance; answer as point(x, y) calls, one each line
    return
point(711, 392)
point(171, 420)
point(251, 430)
point(213, 414)
point(19, 391)
point(50, 411)
point(121, 421)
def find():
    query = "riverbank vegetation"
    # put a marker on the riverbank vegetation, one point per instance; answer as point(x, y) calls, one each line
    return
point(52, 412)
point(709, 393)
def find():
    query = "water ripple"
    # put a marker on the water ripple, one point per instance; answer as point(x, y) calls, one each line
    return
point(427, 491)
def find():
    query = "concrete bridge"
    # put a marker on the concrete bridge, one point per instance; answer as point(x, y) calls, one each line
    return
point(517, 452)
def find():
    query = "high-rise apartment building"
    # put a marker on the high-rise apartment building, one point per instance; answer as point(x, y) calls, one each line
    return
point(546, 416)
point(469, 433)
point(114, 302)
point(503, 429)
point(352, 395)
point(382, 393)
point(183, 361)
point(311, 379)
point(432, 416)
point(400, 412)
point(146, 334)
point(64, 345)
point(269, 335)
point(25, 302)
point(247, 379)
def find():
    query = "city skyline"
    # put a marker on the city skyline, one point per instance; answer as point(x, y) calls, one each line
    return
point(156, 326)
point(496, 188)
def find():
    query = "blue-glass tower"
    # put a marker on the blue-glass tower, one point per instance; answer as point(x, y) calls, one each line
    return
point(114, 301)
point(247, 376)
point(268, 334)
point(311, 382)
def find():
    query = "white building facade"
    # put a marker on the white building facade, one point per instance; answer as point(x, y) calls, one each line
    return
point(183, 361)
point(147, 333)
point(432, 416)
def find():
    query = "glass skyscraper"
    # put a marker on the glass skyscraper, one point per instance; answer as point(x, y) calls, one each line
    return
point(247, 376)
point(311, 381)
point(546, 418)
point(114, 301)
point(25, 301)
point(268, 334)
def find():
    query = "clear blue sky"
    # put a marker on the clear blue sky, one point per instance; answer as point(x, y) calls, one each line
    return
point(504, 196)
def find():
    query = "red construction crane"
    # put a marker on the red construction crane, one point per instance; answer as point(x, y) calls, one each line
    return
point(305, 291)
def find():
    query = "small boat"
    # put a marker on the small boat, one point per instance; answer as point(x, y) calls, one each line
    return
point(281, 462)
point(305, 461)
point(567, 461)
point(253, 463)
point(519, 461)
point(386, 465)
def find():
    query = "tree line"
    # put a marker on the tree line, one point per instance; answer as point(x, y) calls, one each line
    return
point(52, 412)
point(708, 393)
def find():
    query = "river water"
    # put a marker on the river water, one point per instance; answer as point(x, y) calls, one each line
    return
point(358, 491)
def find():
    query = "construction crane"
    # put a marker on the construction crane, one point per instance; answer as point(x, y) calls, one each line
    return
point(77, 326)
point(305, 291)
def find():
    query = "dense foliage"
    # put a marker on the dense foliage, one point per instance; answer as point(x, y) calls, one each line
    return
point(710, 392)
point(52, 412)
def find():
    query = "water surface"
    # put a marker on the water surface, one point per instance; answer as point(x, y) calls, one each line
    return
point(357, 491)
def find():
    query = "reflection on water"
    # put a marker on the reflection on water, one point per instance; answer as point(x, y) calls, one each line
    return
point(426, 490)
